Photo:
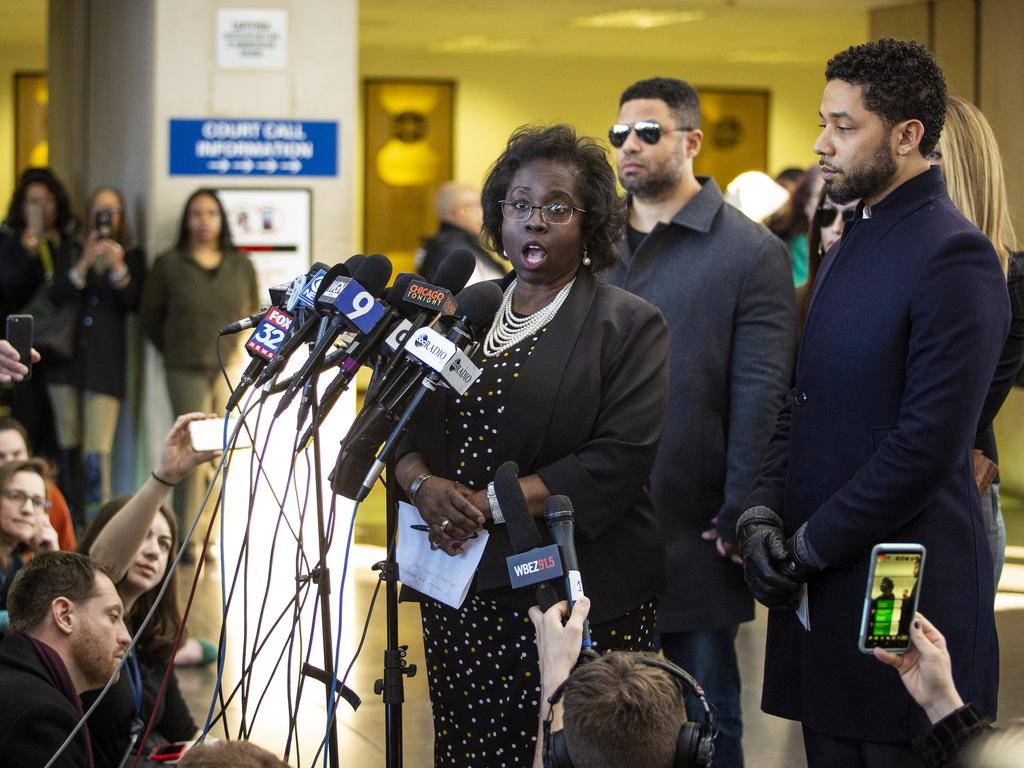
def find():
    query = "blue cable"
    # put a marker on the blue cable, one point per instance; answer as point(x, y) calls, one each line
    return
point(221, 641)
point(337, 637)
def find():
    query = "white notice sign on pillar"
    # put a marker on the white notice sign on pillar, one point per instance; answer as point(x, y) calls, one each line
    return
point(252, 39)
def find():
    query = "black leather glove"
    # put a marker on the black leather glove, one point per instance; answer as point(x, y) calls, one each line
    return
point(762, 546)
point(802, 561)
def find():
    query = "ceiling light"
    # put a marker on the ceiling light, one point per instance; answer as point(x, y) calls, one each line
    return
point(637, 18)
point(476, 44)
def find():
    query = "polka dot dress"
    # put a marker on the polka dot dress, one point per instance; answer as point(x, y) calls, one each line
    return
point(472, 419)
point(484, 678)
point(482, 666)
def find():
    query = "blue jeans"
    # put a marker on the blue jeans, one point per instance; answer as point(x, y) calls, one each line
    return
point(711, 658)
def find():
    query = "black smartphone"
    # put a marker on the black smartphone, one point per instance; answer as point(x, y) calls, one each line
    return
point(19, 335)
point(890, 600)
point(104, 223)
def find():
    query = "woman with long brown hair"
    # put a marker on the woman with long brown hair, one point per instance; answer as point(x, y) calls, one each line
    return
point(972, 164)
point(136, 538)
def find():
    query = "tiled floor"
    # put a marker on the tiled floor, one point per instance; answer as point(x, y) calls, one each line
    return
point(769, 742)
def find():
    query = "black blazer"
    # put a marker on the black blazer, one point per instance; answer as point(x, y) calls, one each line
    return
point(35, 718)
point(585, 414)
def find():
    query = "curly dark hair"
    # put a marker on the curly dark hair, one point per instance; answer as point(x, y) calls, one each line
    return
point(224, 242)
point(605, 214)
point(65, 220)
point(901, 81)
point(681, 97)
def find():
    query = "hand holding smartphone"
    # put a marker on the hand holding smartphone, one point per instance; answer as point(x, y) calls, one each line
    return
point(891, 596)
point(19, 335)
point(208, 435)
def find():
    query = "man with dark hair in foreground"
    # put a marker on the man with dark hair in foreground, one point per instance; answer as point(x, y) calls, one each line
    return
point(68, 636)
point(907, 319)
point(613, 711)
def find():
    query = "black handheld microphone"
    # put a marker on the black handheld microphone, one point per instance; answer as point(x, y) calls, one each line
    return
point(304, 330)
point(274, 326)
point(244, 324)
point(559, 518)
point(356, 354)
point(386, 416)
point(530, 563)
point(431, 300)
point(370, 277)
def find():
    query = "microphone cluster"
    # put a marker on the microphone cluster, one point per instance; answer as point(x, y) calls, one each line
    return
point(418, 336)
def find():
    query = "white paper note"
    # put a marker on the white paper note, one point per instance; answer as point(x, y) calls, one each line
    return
point(803, 611)
point(443, 577)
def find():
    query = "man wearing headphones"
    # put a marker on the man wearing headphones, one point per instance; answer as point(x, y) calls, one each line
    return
point(618, 709)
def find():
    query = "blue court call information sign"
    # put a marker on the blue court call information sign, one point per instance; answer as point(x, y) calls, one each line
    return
point(217, 147)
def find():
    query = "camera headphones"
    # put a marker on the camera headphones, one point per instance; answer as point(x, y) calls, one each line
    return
point(695, 746)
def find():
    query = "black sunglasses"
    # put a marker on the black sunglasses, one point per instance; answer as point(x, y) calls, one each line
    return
point(648, 131)
point(826, 215)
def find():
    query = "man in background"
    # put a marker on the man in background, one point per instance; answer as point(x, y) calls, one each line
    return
point(461, 216)
point(725, 288)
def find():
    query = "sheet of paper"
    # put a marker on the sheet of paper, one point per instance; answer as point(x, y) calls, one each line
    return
point(803, 611)
point(431, 571)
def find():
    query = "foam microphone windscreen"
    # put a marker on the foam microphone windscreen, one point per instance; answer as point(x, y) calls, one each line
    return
point(353, 262)
point(522, 531)
point(396, 293)
point(478, 303)
point(455, 271)
point(373, 273)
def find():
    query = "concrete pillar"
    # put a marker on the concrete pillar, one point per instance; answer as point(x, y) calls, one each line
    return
point(121, 69)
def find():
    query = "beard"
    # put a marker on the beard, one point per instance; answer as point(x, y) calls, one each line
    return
point(654, 183)
point(864, 180)
point(94, 660)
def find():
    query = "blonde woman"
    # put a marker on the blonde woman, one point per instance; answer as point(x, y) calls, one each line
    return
point(969, 156)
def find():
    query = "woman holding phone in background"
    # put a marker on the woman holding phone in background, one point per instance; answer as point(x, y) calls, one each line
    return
point(105, 280)
point(38, 231)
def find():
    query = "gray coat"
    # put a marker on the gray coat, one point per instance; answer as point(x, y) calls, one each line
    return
point(725, 288)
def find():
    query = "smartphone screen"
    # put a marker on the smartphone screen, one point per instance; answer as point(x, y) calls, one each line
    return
point(894, 584)
point(208, 434)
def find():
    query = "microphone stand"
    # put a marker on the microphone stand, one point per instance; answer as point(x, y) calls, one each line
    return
point(321, 576)
point(392, 685)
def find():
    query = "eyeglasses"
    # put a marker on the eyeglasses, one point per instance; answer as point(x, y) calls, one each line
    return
point(826, 215)
point(648, 131)
point(552, 213)
point(20, 497)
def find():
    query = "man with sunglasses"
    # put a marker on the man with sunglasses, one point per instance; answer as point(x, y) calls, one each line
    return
point(725, 288)
point(907, 319)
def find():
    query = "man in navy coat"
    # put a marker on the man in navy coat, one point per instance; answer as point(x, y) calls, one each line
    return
point(907, 318)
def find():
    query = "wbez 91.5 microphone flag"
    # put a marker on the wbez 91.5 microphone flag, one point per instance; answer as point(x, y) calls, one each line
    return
point(531, 564)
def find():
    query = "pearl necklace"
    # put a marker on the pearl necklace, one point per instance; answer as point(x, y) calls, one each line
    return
point(508, 330)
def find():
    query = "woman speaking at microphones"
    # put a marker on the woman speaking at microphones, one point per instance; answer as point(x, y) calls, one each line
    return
point(572, 389)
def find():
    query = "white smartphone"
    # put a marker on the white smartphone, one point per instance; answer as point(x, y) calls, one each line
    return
point(208, 434)
point(890, 600)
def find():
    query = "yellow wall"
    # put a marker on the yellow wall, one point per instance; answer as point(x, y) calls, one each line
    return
point(14, 57)
point(499, 92)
